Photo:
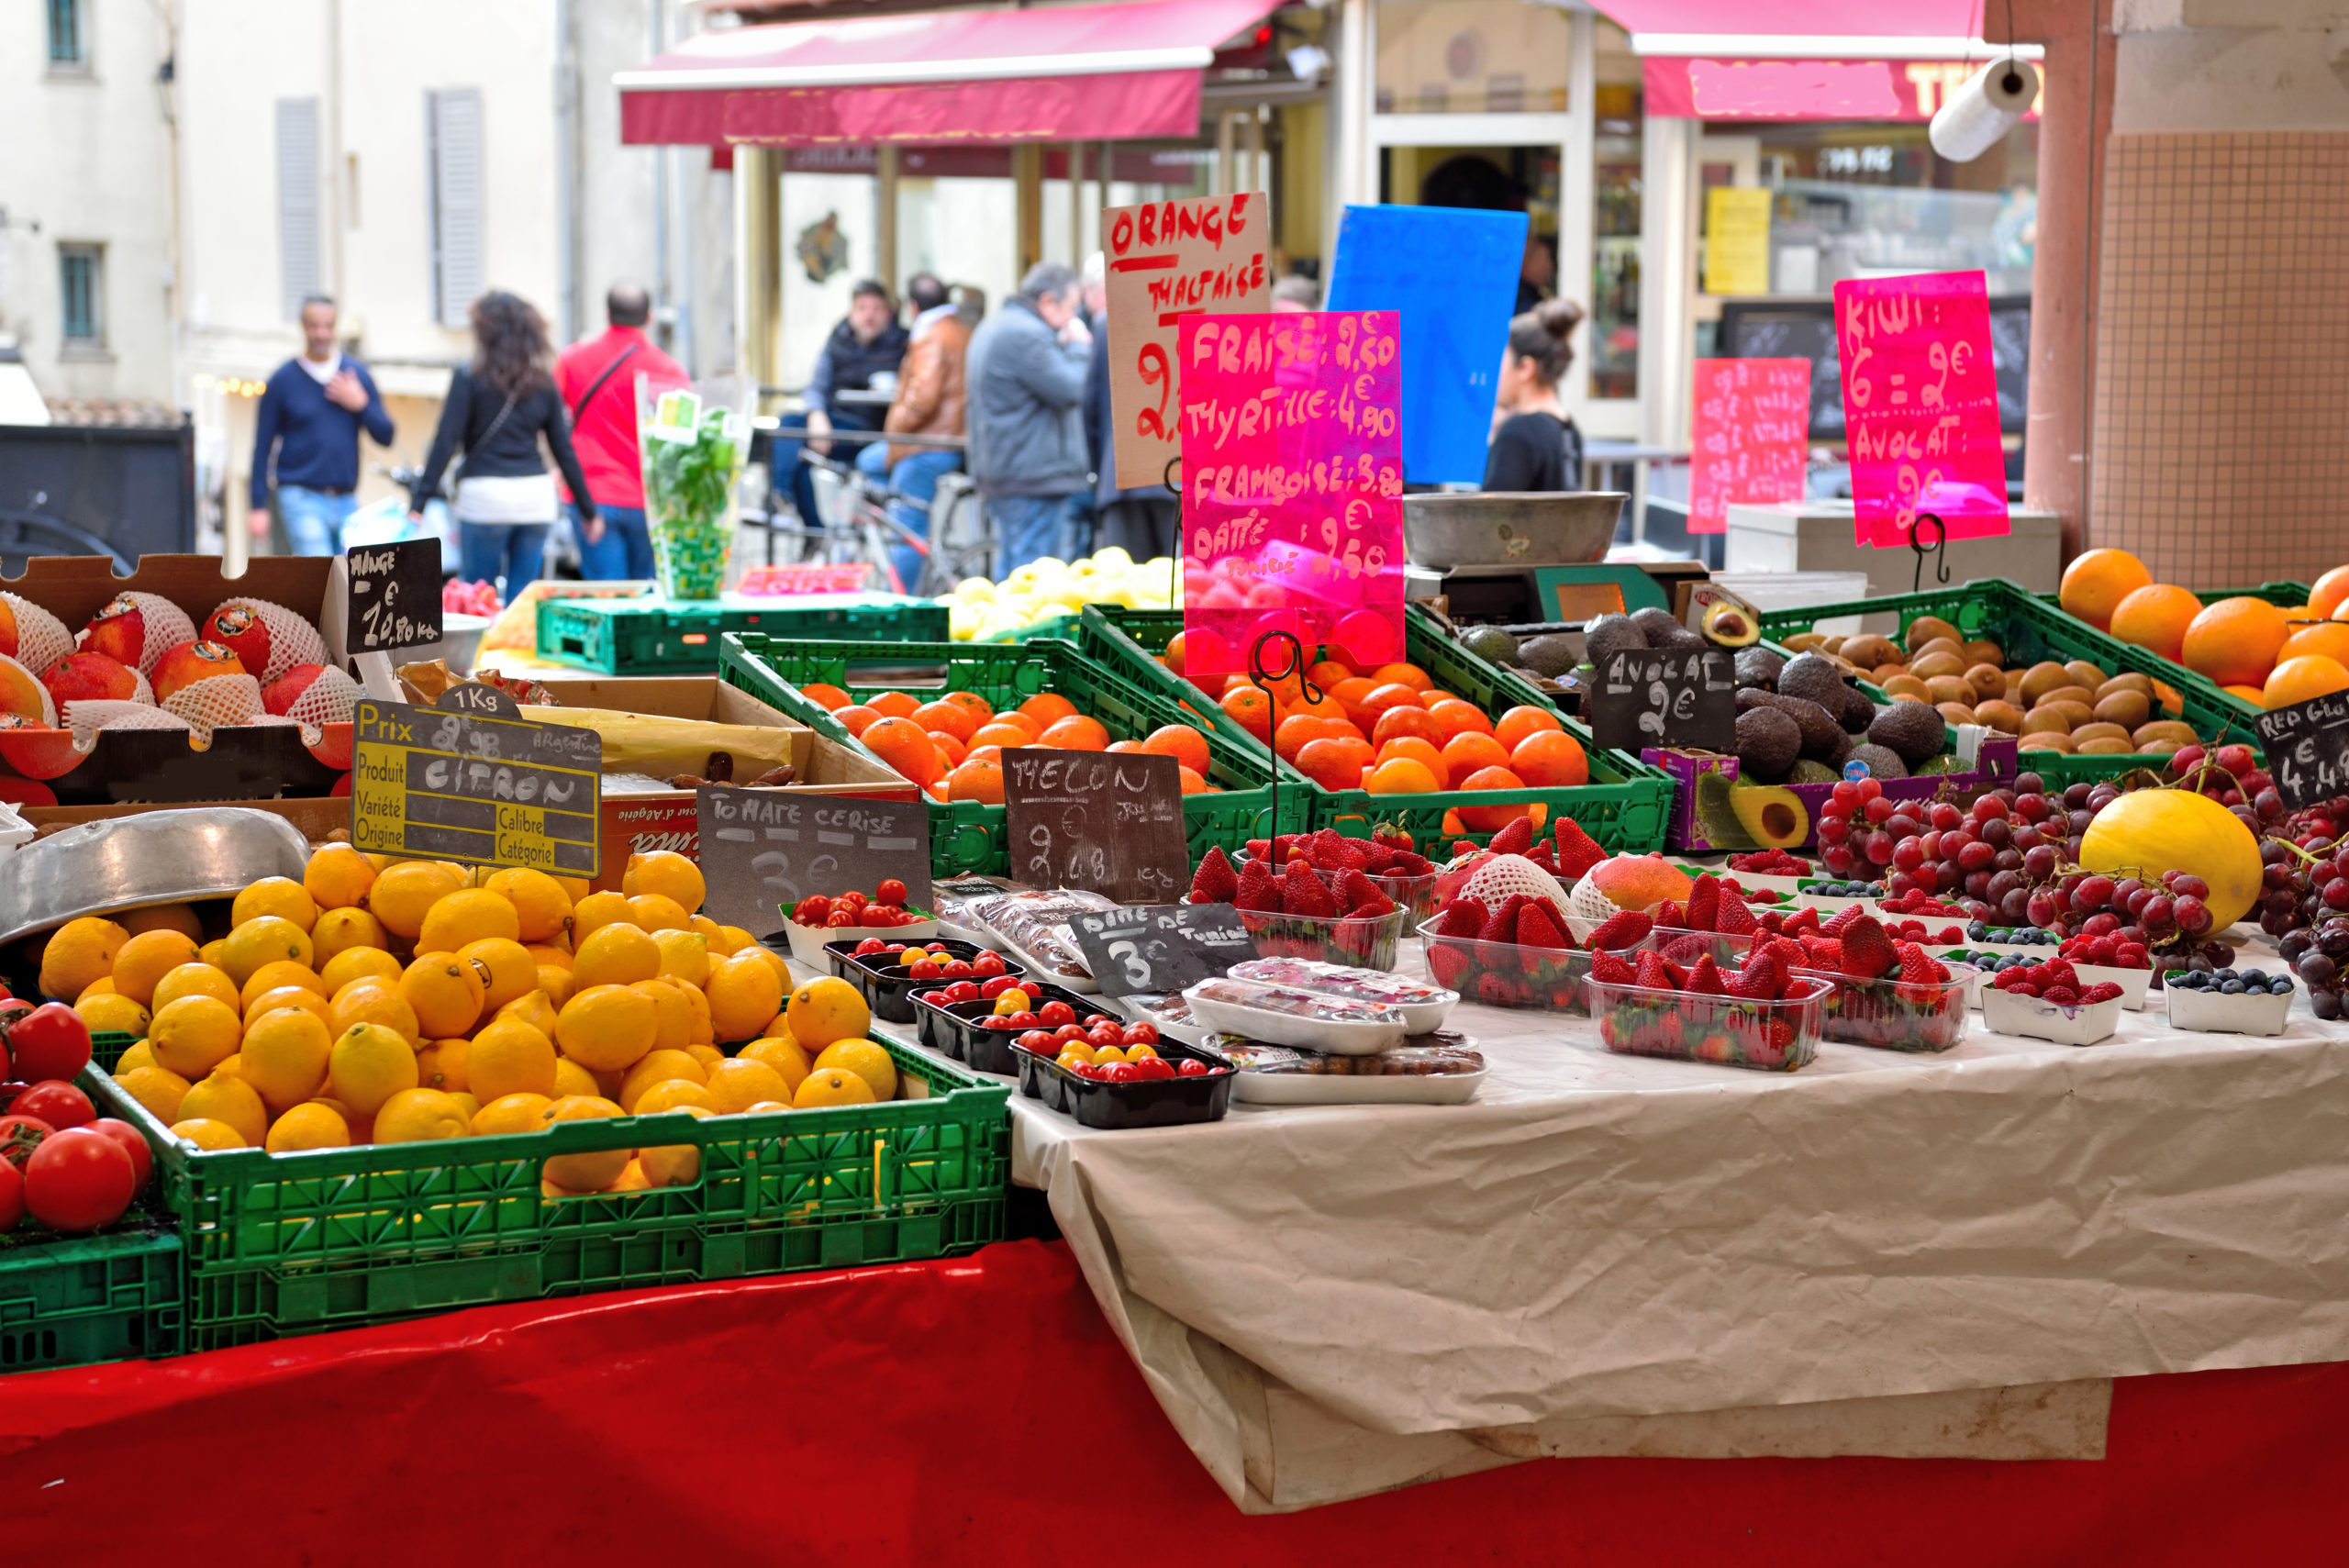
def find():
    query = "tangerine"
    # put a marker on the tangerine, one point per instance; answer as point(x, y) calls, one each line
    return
point(1419, 749)
point(904, 746)
point(1550, 759)
point(978, 707)
point(2234, 642)
point(1173, 657)
point(1521, 721)
point(2332, 591)
point(1490, 819)
point(2329, 637)
point(1334, 762)
point(1252, 710)
point(893, 705)
point(1410, 675)
point(1401, 776)
point(2156, 617)
point(856, 718)
point(1188, 747)
point(832, 698)
point(1191, 783)
point(1046, 710)
point(1075, 733)
point(951, 717)
point(1349, 694)
point(2096, 582)
point(1396, 723)
point(1328, 673)
point(1385, 696)
point(979, 780)
point(1002, 733)
point(1455, 717)
point(1297, 731)
point(2297, 680)
point(951, 748)
point(1467, 751)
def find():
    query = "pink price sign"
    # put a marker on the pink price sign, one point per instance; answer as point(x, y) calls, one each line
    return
point(1292, 486)
point(1750, 437)
point(1921, 405)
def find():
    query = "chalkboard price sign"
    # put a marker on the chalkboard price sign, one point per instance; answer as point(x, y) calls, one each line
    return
point(1162, 947)
point(394, 596)
point(1108, 822)
point(2308, 750)
point(476, 788)
point(762, 851)
point(1665, 696)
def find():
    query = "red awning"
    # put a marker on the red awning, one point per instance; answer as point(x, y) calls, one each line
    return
point(1074, 74)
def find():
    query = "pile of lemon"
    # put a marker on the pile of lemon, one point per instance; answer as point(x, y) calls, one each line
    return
point(384, 1001)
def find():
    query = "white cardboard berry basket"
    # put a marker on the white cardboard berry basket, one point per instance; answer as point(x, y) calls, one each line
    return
point(2133, 982)
point(2211, 1012)
point(2085, 1023)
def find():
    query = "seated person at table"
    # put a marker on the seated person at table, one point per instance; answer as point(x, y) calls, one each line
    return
point(930, 402)
point(866, 343)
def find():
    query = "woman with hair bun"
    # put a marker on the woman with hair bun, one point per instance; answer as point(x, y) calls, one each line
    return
point(1535, 445)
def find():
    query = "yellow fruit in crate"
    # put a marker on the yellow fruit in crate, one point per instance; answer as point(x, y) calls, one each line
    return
point(470, 1102)
point(737, 940)
point(2149, 831)
point(143, 960)
point(536, 1008)
point(674, 1164)
point(300, 996)
point(711, 932)
point(736, 1085)
point(782, 1053)
point(824, 1010)
point(278, 897)
point(659, 1067)
point(745, 994)
point(82, 951)
point(668, 1094)
point(831, 1086)
point(284, 1056)
point(338, 877)
point(866, 1060)
point(570, 1078)
point(589, 1173)
point(132, 1058)
point(510, 1057)
point(232, 1065)
point(158, 1089)
point(708, 1056)
point(112, 1015)
point(308, 1125)
point(617, 954)
point(276, 976)
point(470, 916)
point(406, 893)
point(556, 983)
point(368, 1066)
point(684, 955)
point(442, 1065)
point(194, 1035)
point(546, 955)
point(264, 940)
point(358, 963)
point(607, 1029)
point(373, 1002)
point(195, 980)
point(541, 904)
point(652, 912)
point(161, 917)
point(669, 875)
point(446, 993)
point(421, 1115)
point(102, 987)
point(504, 967)
point(594, 912)
point(672, 1016)
point(346, 931)
point(509, 1113)
point(226, 1098)
point(208, 1134)
point(698, 1004)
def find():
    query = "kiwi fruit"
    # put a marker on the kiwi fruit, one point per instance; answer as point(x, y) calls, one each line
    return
point(2153, 748)
point(1938, 645)
point(2132, 682)
point(2170, 729)
point(1999, 714)
point(1957, 713)
point(2078, 713)
point(1949, 688)
point(2093, 731)
point(1924, 628)
point(1907, 686)
point(1805, 643)
point(2102, 746)
point(2129, 709)
point(1984, 652)
point(2047, 741)
point(1868, 650)
point(2042, 679)
point(2080, 695)
point(2083, 674)
point(1931, 664)
point(1987, 681)
point(2048, 720)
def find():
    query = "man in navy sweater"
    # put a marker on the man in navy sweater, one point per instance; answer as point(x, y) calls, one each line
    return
point(311, 414)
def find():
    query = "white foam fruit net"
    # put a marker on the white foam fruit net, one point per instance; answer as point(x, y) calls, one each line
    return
point(41, 637)
point(1587, 908)
point(20, 675)
point(87, 717)
point(292, 639)
point(1492, 883)
point(214, 702)
point(166, 623)
point(329, 700)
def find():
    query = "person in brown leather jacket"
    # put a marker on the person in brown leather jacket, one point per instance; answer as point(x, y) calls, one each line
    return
point(931, 401)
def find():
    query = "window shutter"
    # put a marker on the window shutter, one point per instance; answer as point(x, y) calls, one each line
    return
point(297, 202)
point(454, 128)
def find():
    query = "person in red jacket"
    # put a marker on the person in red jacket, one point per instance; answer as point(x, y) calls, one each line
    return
point(597, 379)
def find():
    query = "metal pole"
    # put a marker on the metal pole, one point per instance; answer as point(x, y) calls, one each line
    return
point(1076, 245)
point(1223, 172)
point(884, 243)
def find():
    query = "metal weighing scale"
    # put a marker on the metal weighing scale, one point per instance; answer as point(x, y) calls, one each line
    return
point(1535, 560)
point(1540, 595)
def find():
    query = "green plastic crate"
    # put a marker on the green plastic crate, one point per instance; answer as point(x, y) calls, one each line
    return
point(335, 1238)
point(966, 837)
point(1627, 806)
point(2278, 593)
point(659, 637)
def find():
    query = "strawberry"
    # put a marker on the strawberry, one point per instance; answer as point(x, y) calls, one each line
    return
point(1917, 965)
point(1844, 919)
point(1372, 907)
point(1515, 838)
point(1540, 854)
point(1704, 903)
point(1341, 854)
point(1867, 951)
point(1462, 916)
point(1627, 929)
point(1610, 970)
point(1537, 927)
point(1706, 978)
point(1687, 947)
point(1677, 974)
point(1302, 893)
point(1735, 917)
point(1463, 850)
point(1391, 837)
point(1649, 972)
point(1674, 914)
point(1497, 990)
point(1354, 890)
point(1406, 863)
point(1760, 979)
point(1259, 890)
point(1215, 882)
point(1576, 851)
point(1805, 919)
point(1450, 964)
point(1500, 933)
point(1822, 953)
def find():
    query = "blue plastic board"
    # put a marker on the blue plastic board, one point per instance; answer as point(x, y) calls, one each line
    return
point(1452, 274)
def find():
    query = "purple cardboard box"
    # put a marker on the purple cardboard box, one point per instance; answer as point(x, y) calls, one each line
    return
point(1995, 765)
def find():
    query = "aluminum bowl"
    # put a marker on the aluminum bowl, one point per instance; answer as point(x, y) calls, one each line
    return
point(1531, 528)
point(152, 857)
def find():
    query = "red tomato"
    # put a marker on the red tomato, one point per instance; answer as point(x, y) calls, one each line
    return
point(1036, 1040)
point(59, 1104)
point(19, 1136)
point(12, 1195)
point(142, 1159)
point(1023, 1020)
point(1191, 1067)
point(998, 984)
point(851, 901)
point(1142, 1034)
point(1055, 1014)
point(957, 969)
point(79, 1180)
point(1151, 1067)
point(987, 964)
point(869, 945)
point(891, 891)
point(840, 919)
point(1102, 1035)
point(812, 909)
point(52, 1042)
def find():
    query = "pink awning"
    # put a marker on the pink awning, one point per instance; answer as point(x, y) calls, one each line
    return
point(1076, 73)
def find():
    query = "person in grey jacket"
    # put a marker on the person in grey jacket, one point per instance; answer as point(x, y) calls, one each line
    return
point(1026, 376)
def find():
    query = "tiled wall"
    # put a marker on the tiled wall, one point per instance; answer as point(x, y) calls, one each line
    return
point(2221, 453)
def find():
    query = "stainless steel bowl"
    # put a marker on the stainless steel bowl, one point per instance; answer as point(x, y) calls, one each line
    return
point(1535, 528)
point(152, 857)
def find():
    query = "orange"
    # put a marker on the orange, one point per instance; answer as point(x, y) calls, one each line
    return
point(2234, 642)
point(856, 718)
point(1410, 675)
point(832, 698)
point(1004, 732)
point(1125, 746)
point(984, 754)
point(1349, 694)
point(1431, 695)
point(1421, 750)
point(2166, 695)
point(1550, 759)
point(2332, 591)
point(1467, 751)
point(951, 717)
point(1188, 747)
point(1385, 696)
point(2255, 696)
point(1487, 818)
point(904, 746)
point(1047, 708)
point(1521, 721)
point(1398, 722)
point(893, 705)
point(1400, 775)
point(1326, 707)
point(1328, 673)
point(978, 780)
point(977, 706)
point(1173, 657)
point(1192, 783)
point(2096, 582)
point(948, 746)
point(1455, 717)
point(1252, 710)
point(2329, 637)
point(1334, 762)
point(2297, 680)
point(1074, 733)
point(2156, 617)
point(1295, 731)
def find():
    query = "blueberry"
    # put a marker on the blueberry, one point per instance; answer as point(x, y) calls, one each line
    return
point(2252, 974)
point(2279, 986)
point(2231, 974)
point(1979, 931)
point(2230, 987)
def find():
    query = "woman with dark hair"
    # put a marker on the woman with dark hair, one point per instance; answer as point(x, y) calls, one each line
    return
point(1535, 445)
point(498, 407)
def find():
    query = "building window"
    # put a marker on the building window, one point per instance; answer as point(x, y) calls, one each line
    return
point(81, 287)
point(453, 146)
point(68, 48)
point(297, 203)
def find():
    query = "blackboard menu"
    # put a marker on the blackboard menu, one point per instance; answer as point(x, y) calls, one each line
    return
point(1160, 949)
point(393, 596)
point(476, 788)
point(1684, 697)
point(762, 851)
point(2308, 750)
point(1108, 822)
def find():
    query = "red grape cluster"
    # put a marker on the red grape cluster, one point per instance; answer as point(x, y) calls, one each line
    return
point(2320, 955)
point(2305, 878)
point(2235, 779)
point(2134, 911)
point(1986, 859)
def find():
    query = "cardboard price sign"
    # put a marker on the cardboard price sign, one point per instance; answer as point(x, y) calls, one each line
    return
point(1166, 260)
point(1163, 948)
point(2308, 750)
point(476, 788)
point(1107, 822)
point(1678, 697)
point(393, 601)
point(1751, 437)
point(1921, 405)
point(762, 851)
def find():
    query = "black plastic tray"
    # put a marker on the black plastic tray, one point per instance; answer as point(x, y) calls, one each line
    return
point(951, 1029)
point(886, 992)
point(1162, 1102)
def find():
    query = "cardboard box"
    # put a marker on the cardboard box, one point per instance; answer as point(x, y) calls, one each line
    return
point(319, 817)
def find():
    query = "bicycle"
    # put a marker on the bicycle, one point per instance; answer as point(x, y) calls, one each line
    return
point(860, 526)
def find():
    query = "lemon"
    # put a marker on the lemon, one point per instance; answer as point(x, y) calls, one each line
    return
point(301, 996)
point(308, 1125)
point(655, 912)
point(557, 984)
point(356, 964)
point(82, 950)
point(672, 1015)
point(177, 917)
point(284, 1056)
point(407, 891)
point(133, 1057)
point(782, 1053)
point(446, 993)
point(658, 1067)
point(674, 1165)
point(194, 1035)
point(737, 940)
point(232, 1065)
point(368, 1066)
point(546, 955)
point(211, 952)
point(504, 967)
point(708, 1056)
point(711, 932)
point(112, 1015)
point(570, 1078)
point(738, 1084)
point(158, 1089)
point(866, 1060)
point(831, 1086)
point(617, 954)
point(666, 873)
point(590, 1172)
point(534, 1008)
point(445, 1065)
point(144, 959)
point(668, 1094)
point(684, 955)
point(264, 940)
point(224, 1097)
point(420, 1115)
point(338, 877)
point(468, 1101)
point(102, 986)
point(343, 930)
point(541, 904)
point(697, 1031)
point(593, 913)
point(194, 980)
point(279, 897)
point(509, 1113)
point(373, 1002)
point(824, 1010)
point(510, 1057)
point(745, 994)
point(207, 1134)
point(607, 1029)
point(474, 915)
point(276, 975)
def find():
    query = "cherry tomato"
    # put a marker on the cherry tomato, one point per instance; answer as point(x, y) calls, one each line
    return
point(996, 986)
point(870, 944)
point(19, 1136)
point(812, 910)
point(52, 1042)
point(142, 1159)
point(1025, 1020)
point(79, 1180)
point(840, 920)
point(961, 991)
point(997, 1024)
point(1095, 1020)
point(1056, 1014)
point(1104, 1034)
point(852, 900)
point(891, 891)
point(1191, 1067)
point(1039, 1042)
point(1149, 1068)
point(986, 964)
point(59, 1104)
point(924, 970)
point(957, 968)
point(1142, 1034)
point(1064, 1032)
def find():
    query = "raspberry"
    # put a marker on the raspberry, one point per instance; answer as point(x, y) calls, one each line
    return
point(2062, 995)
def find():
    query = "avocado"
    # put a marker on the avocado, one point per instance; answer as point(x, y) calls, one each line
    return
point(1768, 742)
point(1490, 643)
point(1820, 732)
point(1914, 730)
point(1553, 654)
point(1946, 762)
point(1609, 635)
point(1881, 761)
point(1814, 678)
point(1810, 771)
point(1716, 818)
point(1728, 626)
point(1777, 816)
point(1858, 711)
point(1759, 667)
point(1662, 631)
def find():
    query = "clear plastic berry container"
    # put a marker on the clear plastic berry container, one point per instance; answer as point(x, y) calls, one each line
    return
point(1891, 1014)
point(1366, 943)
point(1415, 894)
point(1503, 975)
point(1687, 1026)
